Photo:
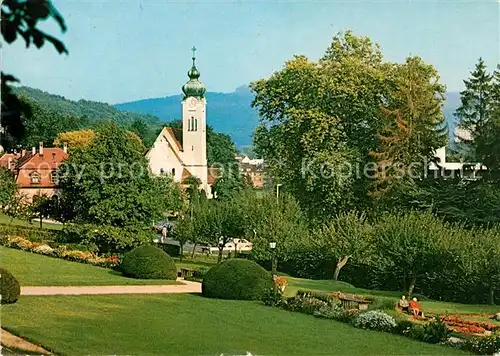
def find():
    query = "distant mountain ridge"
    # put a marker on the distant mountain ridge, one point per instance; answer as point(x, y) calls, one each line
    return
point(231, 113)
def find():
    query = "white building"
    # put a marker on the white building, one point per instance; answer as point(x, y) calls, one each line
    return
point(183, 152)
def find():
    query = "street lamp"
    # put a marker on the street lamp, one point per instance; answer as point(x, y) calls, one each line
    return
point(272, 245)
point(278, 190)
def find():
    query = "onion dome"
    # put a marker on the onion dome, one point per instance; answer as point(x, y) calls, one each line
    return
point(194, 87)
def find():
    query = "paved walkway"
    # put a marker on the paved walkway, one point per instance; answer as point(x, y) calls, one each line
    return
point(186, 287)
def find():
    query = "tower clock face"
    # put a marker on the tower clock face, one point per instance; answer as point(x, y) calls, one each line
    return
point(193, 102)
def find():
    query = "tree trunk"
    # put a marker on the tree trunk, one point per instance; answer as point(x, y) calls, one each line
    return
point(41, 226)
point(492, 295)
point(341, 263)
point(413, 280)
point(219, 259)
point(194, 249)
point(182, 252)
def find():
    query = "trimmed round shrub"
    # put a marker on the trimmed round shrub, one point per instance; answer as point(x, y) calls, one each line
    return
point(148, 262)
point(9, 287)
point(236, 279)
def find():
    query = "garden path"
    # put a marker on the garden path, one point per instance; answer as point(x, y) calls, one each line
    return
point(186, 287)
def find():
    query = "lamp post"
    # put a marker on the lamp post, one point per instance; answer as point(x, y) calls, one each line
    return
point(278, 191)
point(272, 245)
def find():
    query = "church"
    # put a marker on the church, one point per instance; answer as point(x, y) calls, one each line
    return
point(182, 153)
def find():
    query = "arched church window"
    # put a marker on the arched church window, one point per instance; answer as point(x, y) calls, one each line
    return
point(162, 171)
point(196, 124)
point(173, 172)
point(191, 124)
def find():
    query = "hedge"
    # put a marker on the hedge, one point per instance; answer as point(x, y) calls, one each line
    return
point(236, 279)
point(148, 262)
point(9, 287)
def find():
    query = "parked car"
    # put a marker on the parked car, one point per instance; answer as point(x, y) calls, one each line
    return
point(237, 244)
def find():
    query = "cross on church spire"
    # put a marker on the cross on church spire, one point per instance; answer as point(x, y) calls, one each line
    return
point(194, 54)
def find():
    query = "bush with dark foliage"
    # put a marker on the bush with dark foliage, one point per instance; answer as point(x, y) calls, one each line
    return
point(9, 287)
point(148, 262)
point(236, 279)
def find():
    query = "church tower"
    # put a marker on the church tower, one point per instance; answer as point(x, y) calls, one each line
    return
point(194, 126)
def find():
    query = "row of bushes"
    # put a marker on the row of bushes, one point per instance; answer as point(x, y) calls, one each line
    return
point(31, 233)
point(61, 251)
point(325, 306)
point(106, 239)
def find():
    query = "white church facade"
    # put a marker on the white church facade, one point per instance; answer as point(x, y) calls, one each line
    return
point(183, 152)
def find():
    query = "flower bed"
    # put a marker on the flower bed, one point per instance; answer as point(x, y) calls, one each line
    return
point(456, 323)
point(62, 252)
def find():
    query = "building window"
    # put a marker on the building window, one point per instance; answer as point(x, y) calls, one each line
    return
point(35, 178)
point(173, 172)
point(54, 178)
point(195, 124)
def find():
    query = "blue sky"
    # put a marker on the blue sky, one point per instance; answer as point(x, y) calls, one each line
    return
point(128, 50)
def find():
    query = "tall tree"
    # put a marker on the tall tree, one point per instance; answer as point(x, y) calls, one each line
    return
point(348, 236)
point(8, 187)
point(414, 129)
point(21, 19)
point(108, 183)
point(475, 109)
point(487, 141)
point(320, 119)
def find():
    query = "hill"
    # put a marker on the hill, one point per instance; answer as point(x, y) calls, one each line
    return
point(229, 113)
point(92, 110)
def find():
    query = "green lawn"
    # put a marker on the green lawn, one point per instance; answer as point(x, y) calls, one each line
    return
point(51, 226)
point(191, 325)
point(37, 270)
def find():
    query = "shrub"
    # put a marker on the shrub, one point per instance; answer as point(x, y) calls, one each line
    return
point(436, 332)
point(489, 345)
point(106, 239)
point(198, 275)
point(383, 304)
point(403, 327)
point(148, 262)
point(304, 304)
point(236, 279)
point(416, 332)
point(335, 312)
point(272, 297)
point(375, 320)
point(325, 297)
point(170, 249)
point(9, 287)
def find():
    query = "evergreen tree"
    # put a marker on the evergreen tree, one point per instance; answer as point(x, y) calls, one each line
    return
point(415, 128)
point(475, 109)
point(487, 142)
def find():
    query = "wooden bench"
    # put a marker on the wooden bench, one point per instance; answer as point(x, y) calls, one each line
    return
point(353, 303)
point(186, 272)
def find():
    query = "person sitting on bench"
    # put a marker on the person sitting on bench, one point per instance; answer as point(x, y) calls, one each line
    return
point(416, 308)
point(403, 304)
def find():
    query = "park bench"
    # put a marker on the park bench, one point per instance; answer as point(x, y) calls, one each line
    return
point(186, 272)
point(349, 303)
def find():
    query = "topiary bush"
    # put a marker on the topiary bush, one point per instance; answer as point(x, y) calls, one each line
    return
point(148, 262)
point(9, 287)
point(236, 279)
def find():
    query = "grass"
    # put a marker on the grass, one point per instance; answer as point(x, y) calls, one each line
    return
point(36, 224)
point(191, 325)
point(37, 270)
